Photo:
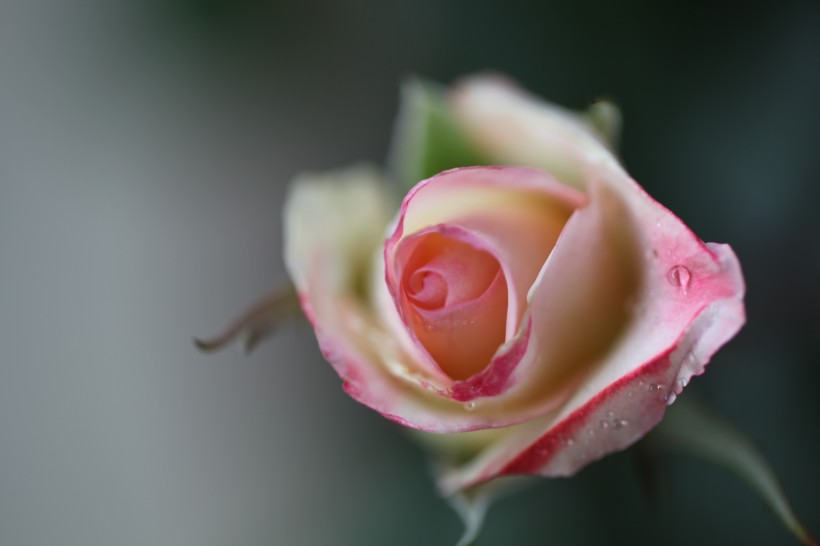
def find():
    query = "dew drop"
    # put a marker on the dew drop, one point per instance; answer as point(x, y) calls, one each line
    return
point(670, 397)
point(604, 424)
point(654, 387)
point(621, 423)
point(469, 406)
point(679, 276)
point(570, 441)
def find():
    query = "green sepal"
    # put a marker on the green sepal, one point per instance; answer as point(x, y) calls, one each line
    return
point(426, 137)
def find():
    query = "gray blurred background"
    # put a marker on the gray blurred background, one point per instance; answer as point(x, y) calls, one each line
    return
point(145, 148)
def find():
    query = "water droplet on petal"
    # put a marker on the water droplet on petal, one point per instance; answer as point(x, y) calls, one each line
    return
point(604, 424)
point(654, 387)
point(621, 423)
point(670, 397)
point(570, 441)
point(679, 276)
point(469, 406)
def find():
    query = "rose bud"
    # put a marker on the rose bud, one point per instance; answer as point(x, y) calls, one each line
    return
point(553, 301)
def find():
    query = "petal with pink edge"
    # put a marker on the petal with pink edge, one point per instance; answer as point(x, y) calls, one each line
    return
point(620, 402)
point(328, 251)
point(517, 214)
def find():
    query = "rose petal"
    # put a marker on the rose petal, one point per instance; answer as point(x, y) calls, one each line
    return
point(333, 227)
point(676, 329)
point(454, 298)
point(578, 304)
point(514, 127)
point(443, 270)
point(333, 223)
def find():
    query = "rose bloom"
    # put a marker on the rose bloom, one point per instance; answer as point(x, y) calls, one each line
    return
point(553, 303)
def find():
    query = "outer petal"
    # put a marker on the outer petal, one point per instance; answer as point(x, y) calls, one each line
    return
point(333, 226)
point(333, 223)
point(513, 127)
point(677, 328)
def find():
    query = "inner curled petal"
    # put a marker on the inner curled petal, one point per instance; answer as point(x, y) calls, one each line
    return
point(426, 289)
point(454, 302)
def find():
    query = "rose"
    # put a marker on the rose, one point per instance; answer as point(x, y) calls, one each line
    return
point(559, 306)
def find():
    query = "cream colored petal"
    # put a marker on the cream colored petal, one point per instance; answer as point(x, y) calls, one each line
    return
point(513, 127)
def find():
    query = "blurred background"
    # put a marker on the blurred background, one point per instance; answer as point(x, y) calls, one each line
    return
point(145, 150)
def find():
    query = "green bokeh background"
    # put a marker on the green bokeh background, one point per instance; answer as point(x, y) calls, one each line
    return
point(145, 149)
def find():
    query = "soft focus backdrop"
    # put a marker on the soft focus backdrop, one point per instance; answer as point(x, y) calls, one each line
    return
point(145, 149)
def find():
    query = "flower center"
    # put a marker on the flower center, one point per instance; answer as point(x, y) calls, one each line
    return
point(455, 302)
point(427, 289)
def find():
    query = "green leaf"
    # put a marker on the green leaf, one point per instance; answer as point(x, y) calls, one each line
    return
point(691, 427)
point(426, 138)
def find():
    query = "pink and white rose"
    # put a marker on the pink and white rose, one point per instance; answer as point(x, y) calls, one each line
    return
point(553, 302)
